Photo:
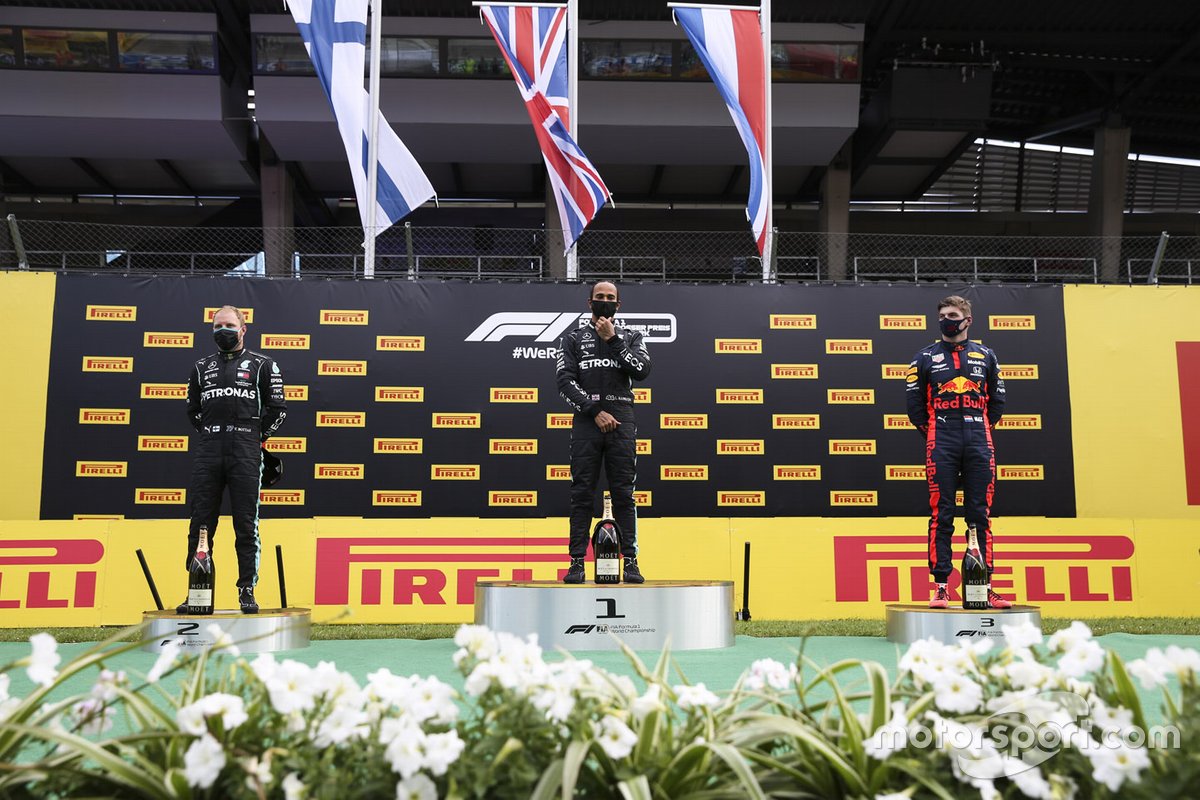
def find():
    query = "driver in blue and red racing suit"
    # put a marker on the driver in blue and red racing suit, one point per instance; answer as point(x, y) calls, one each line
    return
point(955, 398)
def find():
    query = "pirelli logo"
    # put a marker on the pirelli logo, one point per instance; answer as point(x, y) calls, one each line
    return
point(1024, 472)
point(104, 416)
point(805, 322)
point(895, 372)
point(797, 472)
point(643, 498)
point(558, 420)
point(396, 497)
point(281, 497)
point(457, 420)
point(798, 422)
point(295, 394)
point(502, 395)
point(1012, 322)
point(683, 472)
point(1019, 372)
point(336, 316)
point(343, 472)
point(558, 472)
point(341, 419)
point(851, 447)
point(644, 447)
point(285, 341)
point(897, 422)
point(683, 421)
point(211, 313)
point(739, 395)
point(111, 313)
point(400, 446)
point(161, 339)
point(163, 444)
point(101, 469)
point(164, 391)
point(107, 364)
point(454, 472)
point(853, 498)
point(412, 344)
point(512, 447)
point(341, 367)
point(1020, 422)
point(641, 395)
point(904, 472)
point(98, 516)
point(741, 498)
point(740, 447)
point(901, 322)
point(160, 497)
point(399, 394)
point(837, 397)
point(288, 444)
point(738, 345)
point(794, 372)
point(521, 499)
point(848, 346)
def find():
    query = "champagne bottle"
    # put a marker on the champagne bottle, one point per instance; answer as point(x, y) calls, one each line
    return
point(974, 574)
point(606, 546)
point(202, 578)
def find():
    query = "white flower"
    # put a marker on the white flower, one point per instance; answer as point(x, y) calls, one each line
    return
point(258, 773)
point(891, 737)
point(1084, 657)
point(1022, 636)
point(1114, 719)
point(92, 716)
point(292, 687)
point(293, 787)
point(417, 787)
point(7, 704)
point(105, 687)
point(264, 667)
point(230, 708)
point(1030, 782)
point(476, 641)
point(167, 654)
point(1112, 766)
point(442, 750)
point(1025, 673)
point(342, 724)
point(1183, 659)
point(190, 719)
point(905, 795)
point(1068, 638)
point(649, 702)
point(431, 699)
point(555, 700)
point(42, 664)
point(203, 762)
point(697, 696)
point(404, 742)
point(958, 693)
point(1147, 674)
point(615, 737)
point(769, 672)
point(222, 641)
point(1154, 669)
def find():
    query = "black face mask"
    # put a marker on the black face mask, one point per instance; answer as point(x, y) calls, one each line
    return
point(226, 339)
point(604, 308)
point(952, 327)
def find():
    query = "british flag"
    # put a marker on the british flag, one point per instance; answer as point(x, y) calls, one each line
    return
point(533, 41)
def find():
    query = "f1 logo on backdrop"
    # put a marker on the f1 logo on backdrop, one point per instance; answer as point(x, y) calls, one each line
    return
point(548, 326)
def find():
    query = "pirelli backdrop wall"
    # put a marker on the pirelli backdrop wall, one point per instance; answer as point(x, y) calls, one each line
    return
point(436, 399)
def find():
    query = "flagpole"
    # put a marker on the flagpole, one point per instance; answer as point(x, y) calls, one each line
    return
point(373, 138)
point(573, 109)
point(768, 256)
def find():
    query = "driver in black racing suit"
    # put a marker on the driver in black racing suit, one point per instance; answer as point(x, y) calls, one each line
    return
point(596, 366)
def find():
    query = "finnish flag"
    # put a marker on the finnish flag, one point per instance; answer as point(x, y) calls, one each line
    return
point(335, 35)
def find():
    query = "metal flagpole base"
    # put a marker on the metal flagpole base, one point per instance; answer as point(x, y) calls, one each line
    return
point(911, 623)
point(269, 631)
point(692, 615)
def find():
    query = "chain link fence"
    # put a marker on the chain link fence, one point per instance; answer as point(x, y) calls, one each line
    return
point(491, 253)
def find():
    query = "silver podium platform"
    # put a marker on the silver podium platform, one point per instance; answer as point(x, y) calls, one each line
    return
point(911, 623)
point(691, 615)
point(269, 631)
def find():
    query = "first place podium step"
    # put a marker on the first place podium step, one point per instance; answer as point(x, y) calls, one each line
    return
point(691, 615)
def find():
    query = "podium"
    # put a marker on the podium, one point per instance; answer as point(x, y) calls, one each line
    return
point(690, 615)
point(911, 623)
point(272, 630)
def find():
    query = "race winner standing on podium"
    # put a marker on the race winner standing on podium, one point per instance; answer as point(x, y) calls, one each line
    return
point(597, 365)
point(955, 398)
point(235, 402)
